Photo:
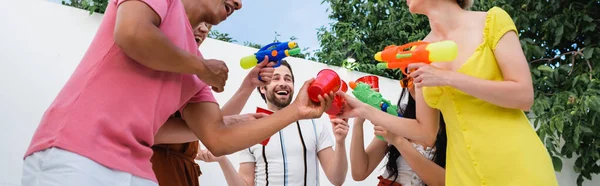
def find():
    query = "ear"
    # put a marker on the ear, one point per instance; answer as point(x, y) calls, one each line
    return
point(263, 90)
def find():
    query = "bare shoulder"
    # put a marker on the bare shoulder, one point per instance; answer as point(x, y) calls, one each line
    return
point(476, 18)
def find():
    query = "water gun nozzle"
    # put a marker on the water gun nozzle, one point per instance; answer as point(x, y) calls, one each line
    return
point(382, 65)
point(352, 84)
point(378, 56)
point(292, 44)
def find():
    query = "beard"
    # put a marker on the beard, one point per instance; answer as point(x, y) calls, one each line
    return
point(280, 103)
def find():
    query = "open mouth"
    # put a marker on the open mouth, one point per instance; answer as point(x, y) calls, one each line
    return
point(198, 39)
point(282, 92)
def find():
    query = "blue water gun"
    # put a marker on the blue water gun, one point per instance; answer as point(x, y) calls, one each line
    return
point(276, 52)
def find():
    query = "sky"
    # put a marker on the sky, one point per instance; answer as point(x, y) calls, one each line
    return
point(258, 20)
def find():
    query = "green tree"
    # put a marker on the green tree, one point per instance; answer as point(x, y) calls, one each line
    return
point(98, 6)
point(559, 38)
point(215, 34)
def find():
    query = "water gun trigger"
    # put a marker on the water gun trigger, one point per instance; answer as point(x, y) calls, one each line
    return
point(278, 64)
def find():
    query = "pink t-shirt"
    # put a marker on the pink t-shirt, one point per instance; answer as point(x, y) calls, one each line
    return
point(111, 107)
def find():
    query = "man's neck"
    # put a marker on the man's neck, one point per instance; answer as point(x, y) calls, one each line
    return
point(272, 107)
point(194, 16)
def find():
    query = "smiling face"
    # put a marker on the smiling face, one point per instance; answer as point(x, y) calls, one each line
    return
point(281, 89)
point(201, 32)
point(218, 10)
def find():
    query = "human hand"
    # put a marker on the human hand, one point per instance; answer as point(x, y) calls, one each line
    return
point(340, 129)
point(264, 70)
point(306, 107)
point(207, 156)
point(352, 107)
point(388, 136)
point(216, 75)
point(427, 75)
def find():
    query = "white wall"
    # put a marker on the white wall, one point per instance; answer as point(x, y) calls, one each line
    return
point(41, 43)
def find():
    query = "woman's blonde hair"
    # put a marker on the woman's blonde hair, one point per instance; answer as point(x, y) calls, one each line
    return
point(465, 4)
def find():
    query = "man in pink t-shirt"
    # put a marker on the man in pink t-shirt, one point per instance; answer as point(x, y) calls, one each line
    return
point(141, 67)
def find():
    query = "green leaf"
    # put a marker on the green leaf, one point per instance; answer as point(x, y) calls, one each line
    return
point(590, 27)
point(577, 169)
point(559, 126)
point(557, 162)
point(594, 103)
point(585, 129)
point(535, 72)
point(545, 68)
point(587, 18)
point(588, 52)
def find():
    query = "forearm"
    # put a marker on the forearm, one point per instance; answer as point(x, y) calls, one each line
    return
point(509, 94)
point(240, 98)
point(231, 138)
point(232, 177)
point(147, 45)
point(431, 173)
point(174, 131)
point(408, 128)
point(339, 166)
point(358, 157)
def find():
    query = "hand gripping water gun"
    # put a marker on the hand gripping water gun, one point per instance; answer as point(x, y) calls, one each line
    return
point(421, 52)
point(276, 52)
point(328, 81)
point(366, 89)
point(262, 110)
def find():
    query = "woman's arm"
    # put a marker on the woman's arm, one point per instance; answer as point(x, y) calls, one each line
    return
point(422, 130)
point(516, 91)
point(363, 162)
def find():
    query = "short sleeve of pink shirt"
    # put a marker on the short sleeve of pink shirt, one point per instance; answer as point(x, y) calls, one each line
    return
point(204, 95)
point(159, 6)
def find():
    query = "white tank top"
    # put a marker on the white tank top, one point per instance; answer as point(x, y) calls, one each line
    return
point(406, 176)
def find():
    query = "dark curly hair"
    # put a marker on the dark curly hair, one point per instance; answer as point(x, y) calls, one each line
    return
point(440, 144)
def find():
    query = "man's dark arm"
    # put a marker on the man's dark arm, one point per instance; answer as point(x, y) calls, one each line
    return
point(137, 34)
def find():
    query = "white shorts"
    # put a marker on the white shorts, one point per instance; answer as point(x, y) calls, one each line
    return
point(57, 167)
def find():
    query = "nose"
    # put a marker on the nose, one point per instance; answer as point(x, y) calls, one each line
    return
point(237, 4)
point(203, 28)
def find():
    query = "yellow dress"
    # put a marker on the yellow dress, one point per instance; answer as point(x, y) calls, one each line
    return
point(488, 144)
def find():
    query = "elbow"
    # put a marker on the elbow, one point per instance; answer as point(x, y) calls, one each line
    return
point(357, 176)
point(338, 182)
point(526, 102)
point(214, 145)
point(216, 150)
point(124, 38)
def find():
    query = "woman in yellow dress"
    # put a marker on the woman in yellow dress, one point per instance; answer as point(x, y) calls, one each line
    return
point(481, 94)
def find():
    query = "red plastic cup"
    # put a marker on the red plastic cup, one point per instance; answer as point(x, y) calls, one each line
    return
point(370, 80)
point(344, 87)
point(326, 81)
point(262, 110)
point(336, 105)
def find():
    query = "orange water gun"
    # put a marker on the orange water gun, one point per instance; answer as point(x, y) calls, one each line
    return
point(393, 56)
